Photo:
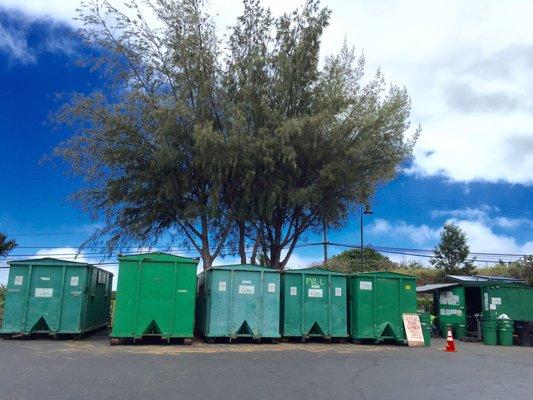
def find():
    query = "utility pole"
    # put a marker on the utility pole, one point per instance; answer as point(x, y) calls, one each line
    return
point(325, 232)
point(367, 211)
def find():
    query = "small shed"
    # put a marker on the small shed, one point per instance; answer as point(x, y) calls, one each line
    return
point(468, 299)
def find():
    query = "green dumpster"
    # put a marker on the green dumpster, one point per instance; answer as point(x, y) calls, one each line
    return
point(313, 304)
point(377, 302)
point(55, 297)
point(239, 301)
point(505, 332)
point(156, 294)
point(489, 332)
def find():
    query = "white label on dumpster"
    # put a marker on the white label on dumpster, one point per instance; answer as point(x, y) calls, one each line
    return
point(18, 280)
point(497, 301)
point(246, 289)
point(338, 291)
point(486, 300)
point(294, 290)
point(459, 313)
point(315, 293)
point(247, 282)
point(221, 286)
point(45, 278)
point(364, 285)
point(493, 306)
point(74, 280)
point(442, 311)
point(44, 292)
point(271, 288)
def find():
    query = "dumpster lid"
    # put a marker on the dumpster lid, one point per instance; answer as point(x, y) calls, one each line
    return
point(48, 261)
point(388, 274)
point(244, 267)
point(157, 255)
point(312, 270)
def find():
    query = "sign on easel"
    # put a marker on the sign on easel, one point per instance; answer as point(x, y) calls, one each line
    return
point(413, 330)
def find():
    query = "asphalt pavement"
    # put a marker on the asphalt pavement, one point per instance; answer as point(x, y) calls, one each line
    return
point(91, 369)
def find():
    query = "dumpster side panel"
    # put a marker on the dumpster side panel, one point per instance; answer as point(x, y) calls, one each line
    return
point(316, 298)
point(155, 298)
point(44, 301)
point(292, 303)
point(185, 301)
point(246, 302)
point(70, 313)
point(17, 293)
point(388, 307)
point(218, 292)
point(337, 311)
point(269, 323)
point(362, 307)
point(126, 299)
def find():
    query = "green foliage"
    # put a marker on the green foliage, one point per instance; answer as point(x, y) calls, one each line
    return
point(451, 254)
point(521, 269)
point(255, 147)
point(6, 246)
point(350, 261)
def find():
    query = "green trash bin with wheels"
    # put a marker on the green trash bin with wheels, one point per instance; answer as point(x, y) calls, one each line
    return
point(459, 331)
point(444, 329)
point(489, 332)
point(425, 322)
point(505, 332)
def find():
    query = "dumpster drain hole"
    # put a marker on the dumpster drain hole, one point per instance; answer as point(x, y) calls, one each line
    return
point(40, 325)
point(152, 329)
point(244, 329)
point(316, 330)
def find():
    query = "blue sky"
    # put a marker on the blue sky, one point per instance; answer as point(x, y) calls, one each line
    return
point(473, 163)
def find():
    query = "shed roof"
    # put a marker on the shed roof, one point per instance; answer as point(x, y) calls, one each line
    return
point(483, 279)
point(434, 286)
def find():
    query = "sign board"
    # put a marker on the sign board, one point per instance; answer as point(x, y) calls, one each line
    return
point(246, 289)
point(413, 330)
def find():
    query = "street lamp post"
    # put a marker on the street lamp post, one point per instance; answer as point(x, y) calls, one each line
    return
point(367, 211)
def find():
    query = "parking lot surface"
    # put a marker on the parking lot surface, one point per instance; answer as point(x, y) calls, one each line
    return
point(91, 369)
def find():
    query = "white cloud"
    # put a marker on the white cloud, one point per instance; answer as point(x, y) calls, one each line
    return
point(13, 42)
point(418, 234)
point(483, 215)
point(482, 239)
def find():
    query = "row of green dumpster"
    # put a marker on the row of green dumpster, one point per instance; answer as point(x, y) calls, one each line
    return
point(161, 295)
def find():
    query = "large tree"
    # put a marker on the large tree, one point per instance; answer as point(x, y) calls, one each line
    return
point(324, 139)
point(247, 143)
point(451, 254)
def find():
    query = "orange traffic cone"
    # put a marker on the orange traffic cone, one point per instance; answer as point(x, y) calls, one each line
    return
point(450, 345)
